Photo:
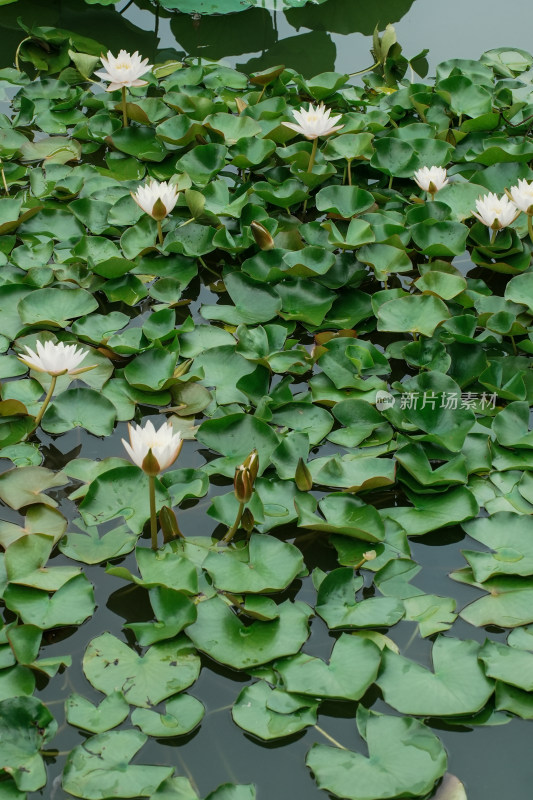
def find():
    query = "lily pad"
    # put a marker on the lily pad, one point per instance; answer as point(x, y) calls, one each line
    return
point(458, 684)
point(270, 713)
point(182, 714)
point(100, 768)
point(223, 637)
point(405, 758)
point(263, 565)
point(25, 726)
point(97, 719)
point(166, 668)
point(352, 668)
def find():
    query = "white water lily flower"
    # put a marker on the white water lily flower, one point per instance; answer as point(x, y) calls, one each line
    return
point(495, 212)
point(56, 359)
point(123, 70)
point(431, 179)
point(164, 444)
point(156, 199)
point(315, 122)
point(522, 196)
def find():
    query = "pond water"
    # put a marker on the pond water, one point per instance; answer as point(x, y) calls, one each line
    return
point(493, 761)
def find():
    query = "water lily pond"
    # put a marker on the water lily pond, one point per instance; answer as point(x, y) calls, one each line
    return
point(266, 457)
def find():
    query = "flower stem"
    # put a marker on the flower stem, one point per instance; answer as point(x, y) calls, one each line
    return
point(349, 164)
point(493, 235)
point(530, 226)
point(362, 71)
point(47, 399)
point(313, 155)
point(235, 527)
point(153, 515)
point(124, 108)
point(6, 187)
point(17, 54)
point(159, 232)
point(329, 738)
point(311, 165)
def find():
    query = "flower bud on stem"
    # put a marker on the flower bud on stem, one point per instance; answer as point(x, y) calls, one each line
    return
point(243, 486)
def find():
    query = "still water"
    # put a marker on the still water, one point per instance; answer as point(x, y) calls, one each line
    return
point(493, 762)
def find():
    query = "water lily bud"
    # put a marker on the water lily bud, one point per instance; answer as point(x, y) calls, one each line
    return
point(370, 555)
point(169, 525)
point(303, 478)
point(242, 485)
point(262, 237)
point(247, 521)
point(182, 369)
point(251, 463)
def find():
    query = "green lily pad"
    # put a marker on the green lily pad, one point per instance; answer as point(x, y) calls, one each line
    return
point(507, 604)
point(39, 519)
point(55, 306)
point(270, 713)
point(338, 607)
point(506, 534)
point(163, 567)
point(84, 408)
point(25, 486)
point(70, 605)
point(265, 564)
point(182, 714)
point(100, 768)
point(25, 726)
point(166, 668)
point(120, 492)
point(344, 200)
point(416, 313)
point(352, 669)
point(405, 758)
point(458, 684)
point(343, 515)
point(90, 548)
point(220, 634)
point(97, 719)
point(25, 562)
point(508, 664)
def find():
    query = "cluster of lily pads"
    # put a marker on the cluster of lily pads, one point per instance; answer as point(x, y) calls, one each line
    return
point(358, 371)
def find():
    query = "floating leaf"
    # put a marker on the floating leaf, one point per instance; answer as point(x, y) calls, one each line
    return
point(182, 714)
point(457, 686)
point(220, 634)
point(405, 758)
point(25, 726)
point(271, 714)
point(166, 668)
point(352, 668)
point(99, 768)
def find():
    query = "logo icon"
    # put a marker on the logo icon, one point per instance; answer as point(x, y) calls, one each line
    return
point(384, 400)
